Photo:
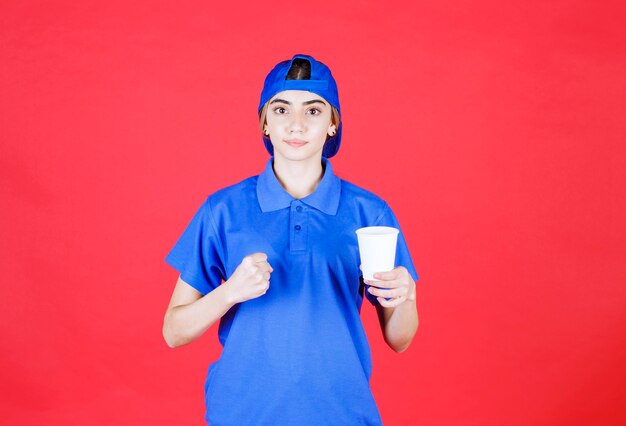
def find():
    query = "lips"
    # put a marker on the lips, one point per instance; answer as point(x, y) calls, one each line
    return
point(295, 142)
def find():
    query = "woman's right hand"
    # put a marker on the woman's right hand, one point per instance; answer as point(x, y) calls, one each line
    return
point(251, 279)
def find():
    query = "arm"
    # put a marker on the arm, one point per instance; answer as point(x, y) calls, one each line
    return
point(190, 314)
point(398, 317)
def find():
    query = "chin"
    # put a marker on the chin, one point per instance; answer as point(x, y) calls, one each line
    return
point(298, 156)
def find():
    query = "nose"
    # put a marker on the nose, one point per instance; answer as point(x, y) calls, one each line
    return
point(296, 124)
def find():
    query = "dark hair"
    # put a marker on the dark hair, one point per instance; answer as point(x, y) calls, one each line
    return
point(300, 70)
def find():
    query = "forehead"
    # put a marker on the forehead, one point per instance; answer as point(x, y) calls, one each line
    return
point(297, 96)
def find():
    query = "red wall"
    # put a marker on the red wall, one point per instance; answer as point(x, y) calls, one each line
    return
point(494, 129)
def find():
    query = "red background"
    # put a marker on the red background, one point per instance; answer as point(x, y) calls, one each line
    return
point(495, 130)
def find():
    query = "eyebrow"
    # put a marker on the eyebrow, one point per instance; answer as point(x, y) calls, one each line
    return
point(303, 103)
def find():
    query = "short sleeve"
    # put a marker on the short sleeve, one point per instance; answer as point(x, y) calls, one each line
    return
point(197, 254)
point(403, 257)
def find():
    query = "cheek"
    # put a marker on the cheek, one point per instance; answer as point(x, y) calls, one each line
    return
point(319, 125)
point(276, 123)
point(323, 132)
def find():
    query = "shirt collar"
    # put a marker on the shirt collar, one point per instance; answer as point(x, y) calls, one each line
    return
point(272, 196)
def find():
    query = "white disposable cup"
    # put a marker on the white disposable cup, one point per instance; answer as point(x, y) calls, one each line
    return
point(377, 247)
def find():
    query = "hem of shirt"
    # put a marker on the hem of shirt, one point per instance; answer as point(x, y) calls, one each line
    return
point(188, 277)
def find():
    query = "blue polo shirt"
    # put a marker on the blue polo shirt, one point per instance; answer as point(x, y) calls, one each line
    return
point(297, 355)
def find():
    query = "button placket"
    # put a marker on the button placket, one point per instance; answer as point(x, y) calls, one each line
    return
point(298, 227)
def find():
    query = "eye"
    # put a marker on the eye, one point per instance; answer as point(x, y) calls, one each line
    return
point(315, 111)
point(279, 110)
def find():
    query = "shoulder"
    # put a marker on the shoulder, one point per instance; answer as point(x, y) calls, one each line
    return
point(236, 194)
point(361, 198)
point(354, 190)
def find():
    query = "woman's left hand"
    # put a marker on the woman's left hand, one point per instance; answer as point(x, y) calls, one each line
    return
point(396, 285)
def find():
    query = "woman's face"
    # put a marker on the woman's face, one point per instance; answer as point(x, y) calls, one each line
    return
point(298, 123)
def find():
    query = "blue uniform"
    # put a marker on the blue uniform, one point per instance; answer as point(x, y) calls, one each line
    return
point(297, 355)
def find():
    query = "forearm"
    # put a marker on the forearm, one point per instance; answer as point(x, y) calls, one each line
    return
point(402, 323)
point(184, 324)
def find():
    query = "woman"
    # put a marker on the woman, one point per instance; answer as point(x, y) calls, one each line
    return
point(275, 258)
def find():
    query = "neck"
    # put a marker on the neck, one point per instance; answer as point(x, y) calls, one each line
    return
point(298, 178)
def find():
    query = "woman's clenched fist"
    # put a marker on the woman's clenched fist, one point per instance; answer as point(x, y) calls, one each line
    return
point(251, 279)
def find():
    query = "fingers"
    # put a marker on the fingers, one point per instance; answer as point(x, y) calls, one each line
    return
point(259, 267)
point(391, 303)
point(255, 268)
point(261, 273)
point(385, 284)
point(397, 277)
point(391, 275)
point(392, 292)
point(259, 283)
point(251, 279)
point(259, 260)
point(257, 257)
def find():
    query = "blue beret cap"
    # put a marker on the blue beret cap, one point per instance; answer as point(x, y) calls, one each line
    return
point(321, 83)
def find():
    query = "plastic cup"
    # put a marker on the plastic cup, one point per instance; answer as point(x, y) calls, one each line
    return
point(377, 248)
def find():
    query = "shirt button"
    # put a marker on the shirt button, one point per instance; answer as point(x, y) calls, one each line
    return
point(297, 227)
point(299, 208)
